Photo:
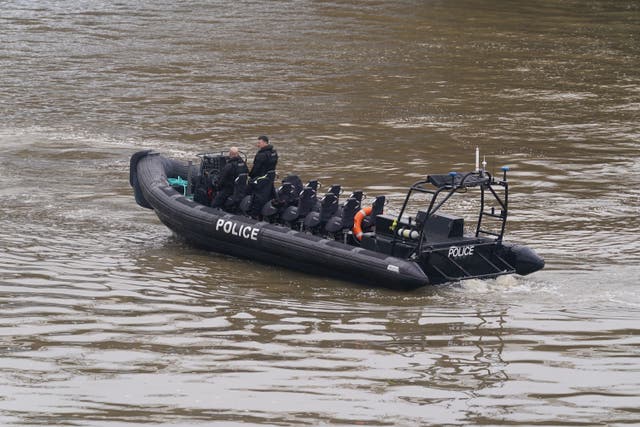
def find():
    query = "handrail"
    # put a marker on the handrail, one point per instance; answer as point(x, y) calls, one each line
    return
point(486, 182)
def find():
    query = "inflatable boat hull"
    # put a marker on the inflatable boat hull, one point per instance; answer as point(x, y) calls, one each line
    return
point(240, 236)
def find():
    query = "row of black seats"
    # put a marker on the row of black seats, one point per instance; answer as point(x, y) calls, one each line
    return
point(297, 205)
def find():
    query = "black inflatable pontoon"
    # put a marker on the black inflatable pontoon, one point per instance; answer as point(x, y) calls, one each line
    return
point(291, 227)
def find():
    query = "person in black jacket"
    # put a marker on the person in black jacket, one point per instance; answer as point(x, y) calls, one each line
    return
point(265, 160)
point(225, 180)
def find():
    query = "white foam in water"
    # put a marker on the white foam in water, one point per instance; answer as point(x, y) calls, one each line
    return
point(39, 136)
point(501, 284)
point(475, 285)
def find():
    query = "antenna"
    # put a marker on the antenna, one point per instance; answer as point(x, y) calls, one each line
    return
point(477, 159)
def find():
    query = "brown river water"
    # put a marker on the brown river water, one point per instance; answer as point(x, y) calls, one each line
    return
point(107, 319)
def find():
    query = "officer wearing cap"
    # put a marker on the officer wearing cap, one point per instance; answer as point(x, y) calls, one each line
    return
point(265, 160)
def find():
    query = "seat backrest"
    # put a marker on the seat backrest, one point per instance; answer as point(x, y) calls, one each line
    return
point(349, 210)
point(335, 189)
point(307, 201)
point(377, 207)
point(328, 206)
point(286, 195)
point(296, 182)
point(262, 191)
point(313, 184)
point(358, 194)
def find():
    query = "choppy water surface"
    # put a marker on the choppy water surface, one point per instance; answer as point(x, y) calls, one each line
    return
point(107, 319)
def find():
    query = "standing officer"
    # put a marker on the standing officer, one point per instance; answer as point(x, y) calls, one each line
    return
point(225, 180)
point(265, 160)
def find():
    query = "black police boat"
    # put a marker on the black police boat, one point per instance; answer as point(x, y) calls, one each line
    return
point(293, 227)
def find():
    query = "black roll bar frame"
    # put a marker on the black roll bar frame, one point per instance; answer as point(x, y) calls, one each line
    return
point(486, 182)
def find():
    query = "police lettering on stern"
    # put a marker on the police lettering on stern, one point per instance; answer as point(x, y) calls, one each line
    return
point(460, 251)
